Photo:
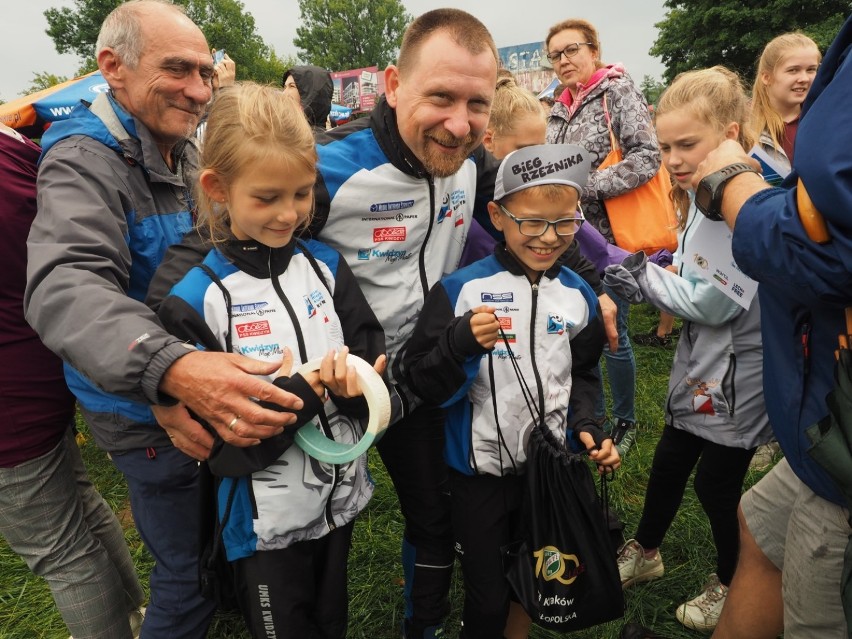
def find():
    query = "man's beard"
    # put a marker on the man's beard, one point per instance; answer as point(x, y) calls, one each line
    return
point(440, 164)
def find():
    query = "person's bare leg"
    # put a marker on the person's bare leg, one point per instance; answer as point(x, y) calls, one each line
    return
point(754, 608)
point(519, 622)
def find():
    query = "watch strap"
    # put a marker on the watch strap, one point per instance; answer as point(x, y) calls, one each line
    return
point(714, 184)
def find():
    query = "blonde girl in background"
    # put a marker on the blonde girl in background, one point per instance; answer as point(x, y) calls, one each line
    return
point(785, 72)
point(286, 518)
point(516, 121)
point(715, 414)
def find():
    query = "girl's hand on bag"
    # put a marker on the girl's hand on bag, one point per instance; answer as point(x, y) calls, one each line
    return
point(605, 456)
point(485, 326)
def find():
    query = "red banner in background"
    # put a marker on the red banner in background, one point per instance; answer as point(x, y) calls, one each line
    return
point(358, 89)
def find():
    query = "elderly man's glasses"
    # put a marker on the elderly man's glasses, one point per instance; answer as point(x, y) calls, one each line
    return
point(569, 52)
point(536, 227)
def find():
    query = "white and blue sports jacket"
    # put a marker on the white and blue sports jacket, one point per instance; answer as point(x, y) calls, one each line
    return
point(398, 227)
point(552, 329)
point(255, 301)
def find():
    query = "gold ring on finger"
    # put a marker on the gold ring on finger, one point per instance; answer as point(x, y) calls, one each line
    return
point(233, 423)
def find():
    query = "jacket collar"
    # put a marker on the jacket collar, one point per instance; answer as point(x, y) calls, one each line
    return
point(386, 131)
point(256, 259)
point(511, 264)
point(105, 121)
point(596, 84)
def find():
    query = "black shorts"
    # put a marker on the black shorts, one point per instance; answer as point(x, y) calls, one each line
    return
point(298, 592)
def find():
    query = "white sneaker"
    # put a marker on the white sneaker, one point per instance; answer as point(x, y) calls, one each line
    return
point(764, 456)
point(702, 613)
point(136, 618)
point(634, 567)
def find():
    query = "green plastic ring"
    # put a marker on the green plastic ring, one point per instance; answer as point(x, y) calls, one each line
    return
point(315, 443)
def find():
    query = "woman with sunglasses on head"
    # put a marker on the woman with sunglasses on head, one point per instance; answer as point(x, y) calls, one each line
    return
point(595, 94)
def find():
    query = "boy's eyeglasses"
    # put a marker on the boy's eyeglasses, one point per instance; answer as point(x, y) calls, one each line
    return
point(569, 52)
point(536, 227)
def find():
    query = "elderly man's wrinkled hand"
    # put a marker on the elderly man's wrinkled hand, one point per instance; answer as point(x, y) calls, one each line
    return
point(186, 433)
point(221, 388)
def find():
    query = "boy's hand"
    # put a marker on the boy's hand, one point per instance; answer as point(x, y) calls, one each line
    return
point(485, 326)
point(605, 456)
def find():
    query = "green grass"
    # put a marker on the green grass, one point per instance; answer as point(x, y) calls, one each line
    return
point(375, 592)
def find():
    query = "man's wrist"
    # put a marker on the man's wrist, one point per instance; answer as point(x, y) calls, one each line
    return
point(156, 375)
point(739, 191)
point(710, 191)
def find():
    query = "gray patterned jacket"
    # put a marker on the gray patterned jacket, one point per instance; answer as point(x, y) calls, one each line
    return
point(631, 122)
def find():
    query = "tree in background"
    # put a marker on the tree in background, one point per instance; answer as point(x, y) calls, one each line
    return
point(350, 34)
point(225, 23)
point(42, 81)
point(701, 33)
point(652, 89)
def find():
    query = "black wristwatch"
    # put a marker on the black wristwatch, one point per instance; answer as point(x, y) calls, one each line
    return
point(708, 194)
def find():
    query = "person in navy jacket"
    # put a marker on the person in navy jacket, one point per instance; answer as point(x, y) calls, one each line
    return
point(793, 524)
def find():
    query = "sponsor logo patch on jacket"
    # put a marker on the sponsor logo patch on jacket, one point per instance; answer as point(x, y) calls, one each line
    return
point(381, 207)
point(445, 212)
point(246, 308)
point(258, 309)
point(261, 350)
point(253, 329)
point(314, 303)
point(388, 255)
point(497, 297)
point(556, 324)
point(389, 234)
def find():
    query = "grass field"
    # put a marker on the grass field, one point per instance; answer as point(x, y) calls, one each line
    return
point(375, 572)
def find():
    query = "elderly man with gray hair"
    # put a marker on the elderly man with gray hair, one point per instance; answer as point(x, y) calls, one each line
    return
point(114, 191)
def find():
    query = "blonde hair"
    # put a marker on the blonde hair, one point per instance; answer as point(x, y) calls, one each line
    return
point(590, 35)
point(546, 192)
point(249, 123)
point(510, 103)
point(714, 96)
point(763, 116)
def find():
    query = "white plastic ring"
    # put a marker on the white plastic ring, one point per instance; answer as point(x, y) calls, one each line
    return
point(314, 442)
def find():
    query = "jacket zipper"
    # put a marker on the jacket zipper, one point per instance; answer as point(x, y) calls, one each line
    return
point(303, 355)
point(538, 383)
point(396, 364)
point(421, 260)
point(732, 375)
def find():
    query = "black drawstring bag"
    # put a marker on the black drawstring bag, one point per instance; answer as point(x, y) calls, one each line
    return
point(563, 570)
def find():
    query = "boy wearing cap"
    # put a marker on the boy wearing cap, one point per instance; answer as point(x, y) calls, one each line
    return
point(517, 303)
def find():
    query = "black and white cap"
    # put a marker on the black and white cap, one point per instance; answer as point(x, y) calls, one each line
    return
point(566, 164)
